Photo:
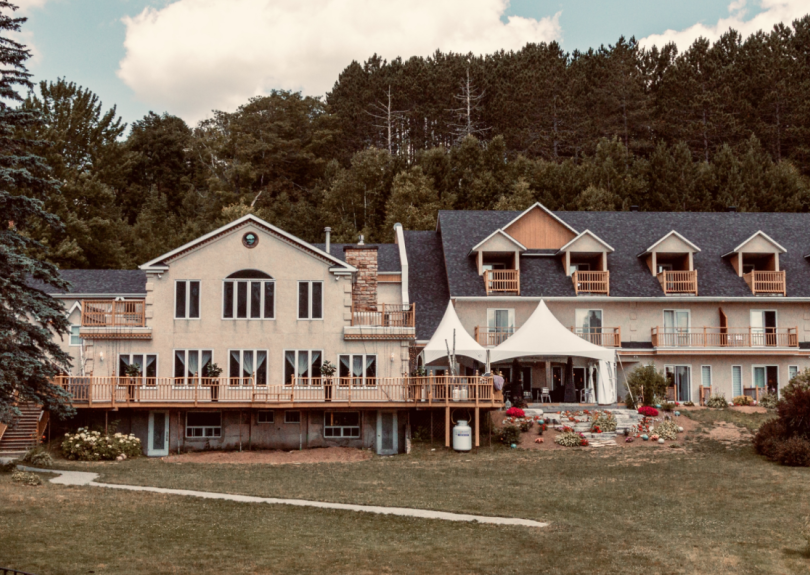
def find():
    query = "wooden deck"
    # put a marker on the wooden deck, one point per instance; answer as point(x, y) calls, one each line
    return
point(604, 336)
point(112, 313)
point(726, 337)
point(765, 282)
point(502, 281)
point(423, 392)
point(591, 282)
point(679, 282)
point(492, 336)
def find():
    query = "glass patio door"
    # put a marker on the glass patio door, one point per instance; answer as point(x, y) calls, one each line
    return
point(500, 325)
point(589, 324)
point(763, 328)
point(680, 377)
point(676, 327)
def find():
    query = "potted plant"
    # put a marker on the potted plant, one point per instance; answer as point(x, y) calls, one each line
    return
point(211, 373)
point(328, 370)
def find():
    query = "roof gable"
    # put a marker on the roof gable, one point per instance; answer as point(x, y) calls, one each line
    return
point(539, 228)
point(672, 242)
point(759, 242)
point(161, 263)
point(586, 239)
point(498, 240)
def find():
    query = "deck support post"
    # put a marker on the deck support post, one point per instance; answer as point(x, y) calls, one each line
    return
point(477, 428)
point(447, 426)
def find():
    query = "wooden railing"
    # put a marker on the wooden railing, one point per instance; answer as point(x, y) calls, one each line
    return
point(766, 282)
point(386, 315)
point(591, 282)
point(755, 393)
point(492, 336)
point(679, 282)
point(112, 313)
point(604, 336)
point(123, 391)
point(705, 393)
point(502, 281)
point(725, 337)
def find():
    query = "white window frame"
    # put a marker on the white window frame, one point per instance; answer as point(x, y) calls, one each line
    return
point(78, 335)
point(144, 354)
point(296, 373)
point(242, 366)
point(188, 300)
point(797, 372)
point(765, 366)
point(266, 421)
point(235, 299)
point(187, 380)
point(309, 300)
point(762, 333)
point(359, 426)
point(363, 385)
point(691, 379)
point(742, 380)
point(287, 419)
point(204, 427)
point(711, 376)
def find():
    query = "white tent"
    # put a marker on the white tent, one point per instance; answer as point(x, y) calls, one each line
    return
point(443, 337)
point(544, 335)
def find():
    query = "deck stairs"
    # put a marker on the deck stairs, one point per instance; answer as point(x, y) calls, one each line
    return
point(22, 434)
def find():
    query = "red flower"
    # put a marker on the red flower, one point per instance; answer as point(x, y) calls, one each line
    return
point(648, 411)
point(584, 443)
point(515, 412)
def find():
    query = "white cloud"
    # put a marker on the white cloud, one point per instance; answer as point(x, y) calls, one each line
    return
point(773, 12)
point(196, 55)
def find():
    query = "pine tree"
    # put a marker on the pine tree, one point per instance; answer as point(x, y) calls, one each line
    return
point(29, 318)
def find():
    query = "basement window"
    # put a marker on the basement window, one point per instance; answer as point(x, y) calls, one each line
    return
point(341, 424)
point(292, 417)
point(203, 424)
point(265, 417)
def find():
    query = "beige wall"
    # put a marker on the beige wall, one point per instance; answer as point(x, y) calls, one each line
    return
point(287, 264)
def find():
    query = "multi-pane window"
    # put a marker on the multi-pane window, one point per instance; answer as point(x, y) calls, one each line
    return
point(292, 417)
point(249, 294)
point(341, 424)
point(187, 299)
point(359, 369)
point(190, 363)
point(265, 416)
point(736, 380)
point(75, 337)
point(203, 424)
point(310, 300)
point(247, 365)
point(304, 364)
point(146, 365)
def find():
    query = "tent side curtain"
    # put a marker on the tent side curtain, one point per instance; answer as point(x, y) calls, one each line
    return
point(544, 335)
point(443, 338)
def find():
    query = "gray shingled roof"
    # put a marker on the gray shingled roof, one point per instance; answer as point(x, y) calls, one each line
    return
point(103, 282)
point(427, 282)
point(631, 233)
point(387, 255)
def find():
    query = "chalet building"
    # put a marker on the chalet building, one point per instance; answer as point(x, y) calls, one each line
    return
point(228, 341)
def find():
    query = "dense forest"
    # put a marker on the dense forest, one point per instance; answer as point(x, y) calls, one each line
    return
point(722, 124)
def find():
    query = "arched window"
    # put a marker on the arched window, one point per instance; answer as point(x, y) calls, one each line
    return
point(249, 294)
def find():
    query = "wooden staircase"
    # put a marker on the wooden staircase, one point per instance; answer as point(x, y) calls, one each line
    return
point(24, 431)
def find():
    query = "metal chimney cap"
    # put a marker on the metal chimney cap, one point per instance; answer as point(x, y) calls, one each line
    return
point(361, 242)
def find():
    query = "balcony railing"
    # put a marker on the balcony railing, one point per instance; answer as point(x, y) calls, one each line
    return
point(591, 282)
point(751, 337)
point(386, 315)
point(502, 281)
point(766, 282)
point(604, 336)
point(112, 313)
point(105, 392)
point(492, 336)
point(679, 282)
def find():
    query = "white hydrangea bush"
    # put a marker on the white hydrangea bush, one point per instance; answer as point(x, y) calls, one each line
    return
point(86, 445)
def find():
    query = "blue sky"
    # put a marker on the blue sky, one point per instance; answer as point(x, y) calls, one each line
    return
point(190, 56)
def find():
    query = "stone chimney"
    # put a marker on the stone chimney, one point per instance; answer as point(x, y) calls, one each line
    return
point(364, 288)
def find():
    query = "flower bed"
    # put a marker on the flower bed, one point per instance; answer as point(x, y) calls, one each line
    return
point(515, 412)
point(86, 445)
point(648, 411)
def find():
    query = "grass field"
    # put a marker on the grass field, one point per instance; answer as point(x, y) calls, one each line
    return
point(706, 509)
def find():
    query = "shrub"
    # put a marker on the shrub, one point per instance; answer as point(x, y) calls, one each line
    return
point(793, 451)
point(648, 411)
point(39, 457)
point(87, 445)
point(645, 385)
point(769, 400)
point(717, 401)
point(667, 430)
point(794, 409)
point(768, 437)
point(526, 426)
point(515, 412)
point(689, 404)
point(9, 466)
point(510, 434)
point(742, 400)
point(667, 406)
point(568, 439)
point(26, 478)
point(604, 421)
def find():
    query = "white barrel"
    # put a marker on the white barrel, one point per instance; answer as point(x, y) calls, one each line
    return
point(462, 436)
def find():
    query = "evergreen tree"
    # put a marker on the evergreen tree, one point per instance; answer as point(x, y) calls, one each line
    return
point(29, 318)
point(413, 202)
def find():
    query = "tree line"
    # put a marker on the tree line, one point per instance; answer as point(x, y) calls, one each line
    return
point(722, 124)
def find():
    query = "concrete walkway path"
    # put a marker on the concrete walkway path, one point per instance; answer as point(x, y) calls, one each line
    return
point(84, 478)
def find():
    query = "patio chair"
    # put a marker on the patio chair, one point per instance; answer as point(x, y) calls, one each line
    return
point(545, 395)
point(587, 395)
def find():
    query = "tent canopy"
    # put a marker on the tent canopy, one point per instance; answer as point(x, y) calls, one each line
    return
point(443, 337)
point(544, 335)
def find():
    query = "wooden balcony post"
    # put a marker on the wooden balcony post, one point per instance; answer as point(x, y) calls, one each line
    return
point(447, 426)
point(704, 336)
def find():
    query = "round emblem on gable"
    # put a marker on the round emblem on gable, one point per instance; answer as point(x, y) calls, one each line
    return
point(250, 240)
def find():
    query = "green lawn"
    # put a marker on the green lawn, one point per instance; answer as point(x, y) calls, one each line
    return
point(709, 509)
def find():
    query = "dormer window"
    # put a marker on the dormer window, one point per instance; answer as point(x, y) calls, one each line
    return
point(756, 260)
point(584, 259)
point(671, 261)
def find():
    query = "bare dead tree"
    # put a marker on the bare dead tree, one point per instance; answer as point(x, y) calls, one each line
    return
point(470, 99)
point(386, 117)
